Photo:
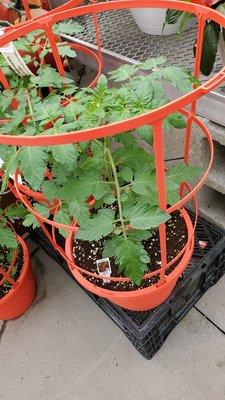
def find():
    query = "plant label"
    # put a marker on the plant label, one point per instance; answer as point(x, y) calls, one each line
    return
point(14, 59)
point(104, 268)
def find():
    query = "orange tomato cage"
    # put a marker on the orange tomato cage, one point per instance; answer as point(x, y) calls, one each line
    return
point(186, 104)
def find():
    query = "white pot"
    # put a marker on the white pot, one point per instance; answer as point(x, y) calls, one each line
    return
point(151, 20)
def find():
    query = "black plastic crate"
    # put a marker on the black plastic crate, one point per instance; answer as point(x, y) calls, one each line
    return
point(149, 329)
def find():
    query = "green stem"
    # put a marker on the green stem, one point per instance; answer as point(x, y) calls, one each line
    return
point(108, 166)
point(30, 108)
point(117, 190)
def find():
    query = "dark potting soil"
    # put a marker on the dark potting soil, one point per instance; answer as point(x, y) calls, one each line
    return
point(87, 253)
point(6, 286)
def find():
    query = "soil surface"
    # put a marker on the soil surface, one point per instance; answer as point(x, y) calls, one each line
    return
point(87, 253)
point(15, 274)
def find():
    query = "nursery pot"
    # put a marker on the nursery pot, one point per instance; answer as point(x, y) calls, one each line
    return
point(151, 20)
point(8, 14)
point(140, 299)
point(20, 297)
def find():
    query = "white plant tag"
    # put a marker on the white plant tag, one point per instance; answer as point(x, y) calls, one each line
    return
point(104, 268)
point(14, 59)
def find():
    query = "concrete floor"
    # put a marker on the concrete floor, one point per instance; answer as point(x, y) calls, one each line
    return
point(66, 348)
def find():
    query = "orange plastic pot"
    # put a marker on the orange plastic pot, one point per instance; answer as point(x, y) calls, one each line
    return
point(20, 297)
point(8, 14)
point(141, 299)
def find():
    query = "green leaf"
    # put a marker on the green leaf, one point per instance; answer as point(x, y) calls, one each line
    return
point(96, 227)
point(66, 51)
point(67, 155)
point(42, 210)
point(15, 211)
point(172, 16)
point(139, 235)
point(47, 110)
point(210, 46)
point(177, 120)
point(90, 183)
point(50, 190)
point(129, 255)
point(68, 27)
point(109, 199)
point(126, 138)
point(10, 165)
point(123, 73)
point(145, 184)
point(63, 217)
point(152, 63)
point(5, 99)
point(33, 165)
point(30, 220)
point(142, 217)
point(177, 77)
point(184, 19)
point(79, 211)
point(48, 76)
point(182, 173)
point(145, 132)
point(132, 157)
point(8, 238)
point(127, 174)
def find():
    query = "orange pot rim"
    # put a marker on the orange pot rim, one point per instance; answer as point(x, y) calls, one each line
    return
point(23, 273)
point(155, 287)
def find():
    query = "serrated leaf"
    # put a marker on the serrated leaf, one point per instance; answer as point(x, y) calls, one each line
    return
point(90, 183)
point(126, 138)
point(50, 190)
point(139, 235)
point(42, 210)
point(79, 211)
point(177, 77)
point(145, 132)
point(30, 220)
point(33, 165)
point(142, 217)
point(132, 157)
point(177, 120)
point(8, 238)
point(109, 199)
point(152, 63)
point(68, 27)
point(66, 51)
point(129, 255)
point(5, 99)
point(67, 155)
point(127, 174)
point(96, 227)
point(145, 183)
point(15, 211)
point(182, 173)
point(10, 165)
point(63, 217)
point(123, 73)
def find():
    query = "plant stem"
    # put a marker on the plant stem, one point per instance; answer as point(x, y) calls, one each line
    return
point(117, 190)
point(30, 108)
point(108, 166)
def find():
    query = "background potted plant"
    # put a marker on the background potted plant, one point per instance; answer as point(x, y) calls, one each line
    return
point(214, 36)
point(152, 20)
point(17, 283)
